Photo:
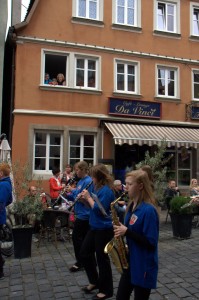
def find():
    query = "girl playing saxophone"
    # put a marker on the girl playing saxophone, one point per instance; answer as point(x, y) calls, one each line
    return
point(141, 227)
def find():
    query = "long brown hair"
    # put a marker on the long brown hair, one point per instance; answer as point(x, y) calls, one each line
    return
point(146, 194)
point(101, 173)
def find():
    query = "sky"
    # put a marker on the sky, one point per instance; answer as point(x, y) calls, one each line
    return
point(24, 6)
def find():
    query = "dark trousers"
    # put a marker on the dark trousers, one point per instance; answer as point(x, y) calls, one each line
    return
point(126, 287)
point(80, 230)
point(94, 243)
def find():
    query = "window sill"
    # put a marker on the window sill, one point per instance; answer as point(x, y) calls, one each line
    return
point(167, 34)
point(85, 21)
point(126, 28)
point(194, 38)
point(167, 99)
point(69, 89)
point(128, 95)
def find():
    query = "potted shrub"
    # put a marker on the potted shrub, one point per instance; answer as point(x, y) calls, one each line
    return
point(24, 208)
point(181, 213)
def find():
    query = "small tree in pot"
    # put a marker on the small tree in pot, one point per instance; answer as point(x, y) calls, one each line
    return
point(26, 209)
point(181, 213)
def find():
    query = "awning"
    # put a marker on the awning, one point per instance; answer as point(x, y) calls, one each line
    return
point(153, 135)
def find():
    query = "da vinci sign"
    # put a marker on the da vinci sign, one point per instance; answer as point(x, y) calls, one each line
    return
point(141, 109)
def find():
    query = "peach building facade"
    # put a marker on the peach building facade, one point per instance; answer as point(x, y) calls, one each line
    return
point(131, 79)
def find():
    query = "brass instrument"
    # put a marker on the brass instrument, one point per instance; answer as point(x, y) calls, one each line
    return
point(116, 248)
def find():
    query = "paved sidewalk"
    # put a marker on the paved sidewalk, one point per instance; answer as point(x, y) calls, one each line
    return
point(45, 275)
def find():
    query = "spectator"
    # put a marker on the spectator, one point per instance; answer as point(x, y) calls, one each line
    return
point(5, 200)
point(194, 188)
point(55, 185)
point(54, 81)
point(120, 206)
point(61, 79)
point(47, 79)
point(170, 192)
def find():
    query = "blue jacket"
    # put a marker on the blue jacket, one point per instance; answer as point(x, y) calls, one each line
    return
point(82, 212)
point(143, 262)
point(97, 219)
point(5, 197)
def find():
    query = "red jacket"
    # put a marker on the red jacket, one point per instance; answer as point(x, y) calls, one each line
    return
point(55, 187)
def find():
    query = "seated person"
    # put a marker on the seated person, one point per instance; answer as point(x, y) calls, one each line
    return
point(47, 79)
point(61, 79)
point(120, 206)
point(170, 192)
point(194, 188)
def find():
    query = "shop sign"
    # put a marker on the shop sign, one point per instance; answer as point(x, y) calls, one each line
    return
point(195, 112)
point(142, 109)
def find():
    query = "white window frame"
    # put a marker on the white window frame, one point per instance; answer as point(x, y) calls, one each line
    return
point(137, 13)
point(176, 24)
point(86, 58)
point(99, 12)
point(176, 81)
point(43, 71)
point(193, 5)
point(137, 76)
point(47, 157)
point(82, 134)
point(194, 71)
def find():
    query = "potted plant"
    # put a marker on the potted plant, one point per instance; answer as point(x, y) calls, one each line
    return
point(26, 209)
point(181, 213)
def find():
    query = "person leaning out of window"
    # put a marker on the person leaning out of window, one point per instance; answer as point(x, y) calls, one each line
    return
point(61, 79)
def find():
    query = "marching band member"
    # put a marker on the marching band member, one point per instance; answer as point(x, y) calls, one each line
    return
point(82, 212)
point(194, 188)
point(100, 233)
point(141, 227)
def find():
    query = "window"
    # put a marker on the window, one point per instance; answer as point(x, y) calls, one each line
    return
point(179, 166)
point(195, 20)
point(47, 151)
point(126, 12)
point(82, 147)
point(126, 77)
point(86, 73)
point(88, 9)
point(196, 84)
point(166, 18)
point(167, 82)
point(55, 69)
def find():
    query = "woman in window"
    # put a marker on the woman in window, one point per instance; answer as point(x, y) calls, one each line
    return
point(141, 228)
point(61, 79)
point(100, 233)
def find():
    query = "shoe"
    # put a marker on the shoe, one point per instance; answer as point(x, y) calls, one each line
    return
point(96, 297)
point(75, 268)
point(88, 289)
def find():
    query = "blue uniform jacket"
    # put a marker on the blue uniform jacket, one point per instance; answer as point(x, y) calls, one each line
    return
point(97, 219)
point(5, 197)
point(82, 212)
point(143, 262)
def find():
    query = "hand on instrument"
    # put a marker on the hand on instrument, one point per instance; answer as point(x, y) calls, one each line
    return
point(119, 230)
point(85, 195)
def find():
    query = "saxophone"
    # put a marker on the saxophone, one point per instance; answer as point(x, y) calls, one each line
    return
point(116, 248)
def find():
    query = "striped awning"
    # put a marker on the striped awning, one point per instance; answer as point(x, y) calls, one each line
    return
point(153, 135)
